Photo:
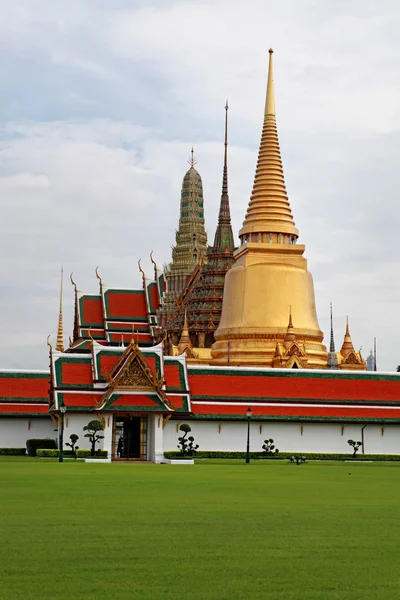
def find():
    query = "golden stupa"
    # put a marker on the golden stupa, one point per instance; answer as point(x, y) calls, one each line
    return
point(269, 279)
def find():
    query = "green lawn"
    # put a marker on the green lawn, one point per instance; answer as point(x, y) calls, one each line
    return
point(209, 531)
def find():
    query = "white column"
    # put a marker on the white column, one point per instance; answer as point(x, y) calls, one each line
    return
point(155, 434)
point(107, 441)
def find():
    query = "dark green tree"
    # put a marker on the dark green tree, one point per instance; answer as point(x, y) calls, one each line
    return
point(355, 446)
point(72, 443)
point(269, 447)
point(398, 368)
point(93, 428)
point(186, 445)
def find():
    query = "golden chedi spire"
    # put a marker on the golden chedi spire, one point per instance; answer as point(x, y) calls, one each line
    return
point(60, 330)
point(269, 209)
point(270, 272)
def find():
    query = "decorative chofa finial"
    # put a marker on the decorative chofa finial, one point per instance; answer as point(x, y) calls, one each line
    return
point(73, 282)
point(98, 276)
point(141, 270)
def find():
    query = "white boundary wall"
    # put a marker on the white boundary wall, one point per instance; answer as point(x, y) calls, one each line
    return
point(14, 431)
point(214, 435)
point(288, 436)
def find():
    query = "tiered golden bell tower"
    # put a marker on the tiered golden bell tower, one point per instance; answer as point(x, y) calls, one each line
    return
point(269, 279)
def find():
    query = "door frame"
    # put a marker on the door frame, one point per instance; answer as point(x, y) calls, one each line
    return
point(143, 437)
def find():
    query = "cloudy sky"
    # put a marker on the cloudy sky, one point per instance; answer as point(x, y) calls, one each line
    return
point(101, 101)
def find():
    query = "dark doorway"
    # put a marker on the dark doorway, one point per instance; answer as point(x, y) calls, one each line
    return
point(128, 430)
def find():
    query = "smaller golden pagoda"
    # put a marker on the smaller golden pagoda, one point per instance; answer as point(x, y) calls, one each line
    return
point(348, 358)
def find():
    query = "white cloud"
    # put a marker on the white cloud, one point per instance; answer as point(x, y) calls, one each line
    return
point(94, 146)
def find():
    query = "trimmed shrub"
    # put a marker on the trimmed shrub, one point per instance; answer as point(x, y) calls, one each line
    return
point(12, 451)
point(47, 453)
point(287, 455)
point(34, 443)
point(88, 454)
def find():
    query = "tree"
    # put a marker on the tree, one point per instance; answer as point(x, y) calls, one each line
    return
point(93, 427)
point(269, 447)
point(398, 368)
point(72, 444)
point(355, 446)
point(186, 444)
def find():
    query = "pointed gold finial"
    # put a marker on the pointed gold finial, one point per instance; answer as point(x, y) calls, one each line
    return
point(270, 99)
point(192, 161)
point(290, 334)
point(347, 345)
point(184, 340)
point(60, 331)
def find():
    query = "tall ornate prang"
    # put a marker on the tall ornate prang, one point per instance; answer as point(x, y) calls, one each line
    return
point(202, 297)
point(60, 330)
point(191, 241)
point(223, 239)
point(269, 272)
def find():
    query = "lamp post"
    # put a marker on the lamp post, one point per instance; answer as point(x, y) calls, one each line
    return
point(249, 415)
point(61, 435)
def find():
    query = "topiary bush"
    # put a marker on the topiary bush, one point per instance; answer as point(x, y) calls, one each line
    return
point(93, 428)
point(269, 446)
point(34, 443)
point(186, 444)
point(12, 451)
point(88, 454)
point(47, 453)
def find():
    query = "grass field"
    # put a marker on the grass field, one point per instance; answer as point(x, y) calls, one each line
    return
point(209, 531)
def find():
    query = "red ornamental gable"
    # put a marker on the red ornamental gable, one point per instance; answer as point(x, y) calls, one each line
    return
point(134, 400)
point(177, 402)
point(143, 338)
point(81, 400)
point(172, 376)
point(306, 411)
point(24, 387)
point(91, 310)
point(126, 305)
point(75, 373)
point(24, 408)
point(107, 363)
point(151, 361)
point(154, 298)
point(244, 386)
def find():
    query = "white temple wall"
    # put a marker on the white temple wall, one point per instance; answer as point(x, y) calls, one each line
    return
point(74, 423)
point(287, 436)
point(214, 435)
point(14, 431)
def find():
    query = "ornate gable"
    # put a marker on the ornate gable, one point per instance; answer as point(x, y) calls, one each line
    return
point(132, 373)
